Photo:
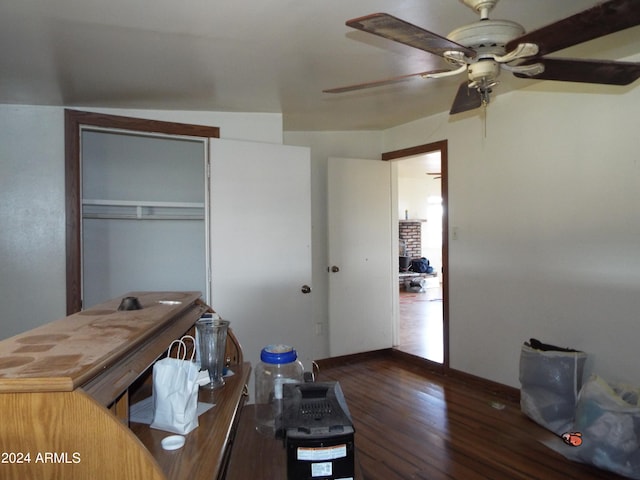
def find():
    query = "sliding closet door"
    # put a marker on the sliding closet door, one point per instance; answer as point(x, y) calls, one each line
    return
point(143, 209)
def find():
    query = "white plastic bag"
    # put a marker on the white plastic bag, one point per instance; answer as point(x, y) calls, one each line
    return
point(608, 417)
point(549, 384)
point(175, 391)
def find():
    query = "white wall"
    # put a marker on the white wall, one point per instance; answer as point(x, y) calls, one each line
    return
point(32, 227)
point(32, 209)
point(413, 193)
point(546, 208)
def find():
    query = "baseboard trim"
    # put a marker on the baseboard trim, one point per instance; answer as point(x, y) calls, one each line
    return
point(498, 389)
point(417, 361)
point(352, 358)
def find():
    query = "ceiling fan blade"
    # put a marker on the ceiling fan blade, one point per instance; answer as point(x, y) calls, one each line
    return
point(603, 19)
point(586, 71)
point(392, 28)
point(466, 99)
point(380, 83)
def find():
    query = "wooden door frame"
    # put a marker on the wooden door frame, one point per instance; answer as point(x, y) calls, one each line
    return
point(442, 147)
point(74, 120)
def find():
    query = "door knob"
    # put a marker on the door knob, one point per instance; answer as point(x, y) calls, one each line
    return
point(305, 289)
point(335, 269)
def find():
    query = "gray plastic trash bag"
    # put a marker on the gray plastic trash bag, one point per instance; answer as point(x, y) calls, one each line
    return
point(550, 381)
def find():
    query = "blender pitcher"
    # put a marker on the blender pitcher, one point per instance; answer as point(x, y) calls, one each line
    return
point(212, 341)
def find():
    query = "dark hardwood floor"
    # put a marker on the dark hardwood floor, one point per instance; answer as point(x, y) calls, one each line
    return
point(415, 424)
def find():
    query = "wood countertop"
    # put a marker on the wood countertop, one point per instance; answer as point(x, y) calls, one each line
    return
point(65, 354)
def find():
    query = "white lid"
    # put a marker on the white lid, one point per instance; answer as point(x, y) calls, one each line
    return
point(172, 442)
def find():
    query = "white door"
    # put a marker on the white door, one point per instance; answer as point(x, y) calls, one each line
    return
point(360, 256)
point(260, 234)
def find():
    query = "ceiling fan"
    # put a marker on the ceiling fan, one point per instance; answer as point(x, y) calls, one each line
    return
point(484, 48)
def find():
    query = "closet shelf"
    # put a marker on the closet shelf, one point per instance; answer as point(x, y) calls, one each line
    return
point(141, 210)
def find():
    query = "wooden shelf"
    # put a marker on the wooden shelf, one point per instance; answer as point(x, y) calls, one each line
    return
point(141, 210)
point(205, 448)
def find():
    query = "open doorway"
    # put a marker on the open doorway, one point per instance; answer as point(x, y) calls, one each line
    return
point(422, 218)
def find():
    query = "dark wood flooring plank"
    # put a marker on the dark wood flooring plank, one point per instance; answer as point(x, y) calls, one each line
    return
point(415, 424)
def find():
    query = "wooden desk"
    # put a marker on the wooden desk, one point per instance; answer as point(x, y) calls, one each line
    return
point(66, 387)
point(259, 457)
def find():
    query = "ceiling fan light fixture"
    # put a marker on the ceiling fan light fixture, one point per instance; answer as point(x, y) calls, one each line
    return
point(483, 77)
point(484, 72)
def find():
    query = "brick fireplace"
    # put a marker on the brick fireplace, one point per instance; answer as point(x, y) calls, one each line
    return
point(410, 232)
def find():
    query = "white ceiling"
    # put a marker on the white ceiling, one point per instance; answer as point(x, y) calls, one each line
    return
point(245, 56)
point(420, 165)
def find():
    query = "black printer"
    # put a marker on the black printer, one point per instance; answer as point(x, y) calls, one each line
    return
point(318, 432)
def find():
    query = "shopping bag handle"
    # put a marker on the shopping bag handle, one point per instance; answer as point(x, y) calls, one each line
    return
point(193, 340)
point(181, 353)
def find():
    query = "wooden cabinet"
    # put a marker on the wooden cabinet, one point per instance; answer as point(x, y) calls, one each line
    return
point(66, 388)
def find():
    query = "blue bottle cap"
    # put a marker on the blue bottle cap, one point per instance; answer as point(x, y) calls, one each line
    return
point(277, 354)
